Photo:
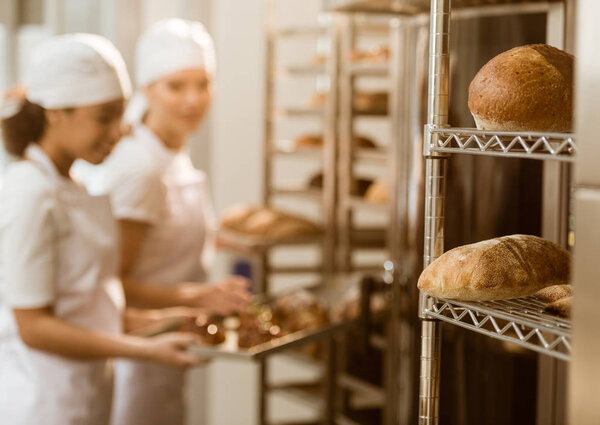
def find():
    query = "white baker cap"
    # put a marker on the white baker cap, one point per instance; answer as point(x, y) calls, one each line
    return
point(75, 70)
point(172, 45)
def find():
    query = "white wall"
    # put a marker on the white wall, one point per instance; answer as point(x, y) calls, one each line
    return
point(238, 110)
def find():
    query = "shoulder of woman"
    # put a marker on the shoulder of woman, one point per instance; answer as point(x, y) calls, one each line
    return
point(26, 190)
point(25, 177)
point(130, 156)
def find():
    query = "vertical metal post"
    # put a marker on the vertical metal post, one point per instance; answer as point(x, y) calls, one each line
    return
point(346, 92)
point(329, 381)
point(434, 203)
point(330, 153)
point(263, 392)
point(263, 259)
point(402, 345)
point(551, 394)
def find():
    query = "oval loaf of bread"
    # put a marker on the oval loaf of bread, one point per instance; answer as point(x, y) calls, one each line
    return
point(501, 268)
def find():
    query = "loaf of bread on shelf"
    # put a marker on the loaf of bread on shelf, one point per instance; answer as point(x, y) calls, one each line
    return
point(308, 141)
point(267, 223)
point(378, 192)
point(528, 88)
point(560, 308)
point(371, 102)
point(554, 293)
point(363, 102)
point(501, 268)
point(358, 186)
point(316, 141)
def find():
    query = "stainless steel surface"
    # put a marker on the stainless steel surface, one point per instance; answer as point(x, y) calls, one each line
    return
point(344, 167)
point(437, 116)
point(521, 321)
point(551, 394)
point(406, 177)
point(435, 172)
point(504, 144)
point(430, 373)
point(439, 63)
point(585, 368)
point(330, 153)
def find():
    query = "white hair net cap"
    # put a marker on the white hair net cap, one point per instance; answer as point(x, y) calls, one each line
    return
point(169, 46)
point(75, 70)
point(172, 45)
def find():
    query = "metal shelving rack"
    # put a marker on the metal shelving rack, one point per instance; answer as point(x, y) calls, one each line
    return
point(401, 160)
point(273, 149)
point(519, 321)
point(312, 393)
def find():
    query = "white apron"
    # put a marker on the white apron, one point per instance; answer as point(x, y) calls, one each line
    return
point(176, 249)
point(37, 388)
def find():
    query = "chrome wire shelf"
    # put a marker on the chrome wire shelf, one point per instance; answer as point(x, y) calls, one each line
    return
point(558, 146)
point(521, 321)
point(301, 31)
point(381, 69)
point(309, 70)
point(298, 112)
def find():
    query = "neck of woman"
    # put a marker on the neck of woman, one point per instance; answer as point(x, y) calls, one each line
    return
point(171, 138)
point(61, 160)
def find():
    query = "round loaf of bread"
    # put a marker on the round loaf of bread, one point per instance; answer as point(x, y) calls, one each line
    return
point(528, 88)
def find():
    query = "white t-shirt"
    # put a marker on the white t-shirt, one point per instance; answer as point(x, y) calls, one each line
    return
point(150, 183)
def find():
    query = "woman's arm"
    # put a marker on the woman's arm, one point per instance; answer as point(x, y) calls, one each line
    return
point(41, 330)
point(225, 297)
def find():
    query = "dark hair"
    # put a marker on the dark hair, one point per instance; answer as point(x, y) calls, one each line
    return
point(25, 127)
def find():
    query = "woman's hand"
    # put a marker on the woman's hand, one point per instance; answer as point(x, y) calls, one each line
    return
point(138, 320)
point(171, 349)
point(228, 296)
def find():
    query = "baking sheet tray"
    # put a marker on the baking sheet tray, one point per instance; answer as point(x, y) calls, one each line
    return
point(327, 294)
point(230, 349)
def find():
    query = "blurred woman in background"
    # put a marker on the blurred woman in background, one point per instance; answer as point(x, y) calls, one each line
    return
point(164, 209)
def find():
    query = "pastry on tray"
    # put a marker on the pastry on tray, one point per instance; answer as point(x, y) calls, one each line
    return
point(210, 329)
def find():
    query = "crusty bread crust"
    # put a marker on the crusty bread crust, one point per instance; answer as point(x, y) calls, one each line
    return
point(528, 88)
point(561, 307)
point(507, 267)
point(554, 293)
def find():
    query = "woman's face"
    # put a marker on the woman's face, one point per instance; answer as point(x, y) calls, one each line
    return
point(180, 100)
point(89, 132)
